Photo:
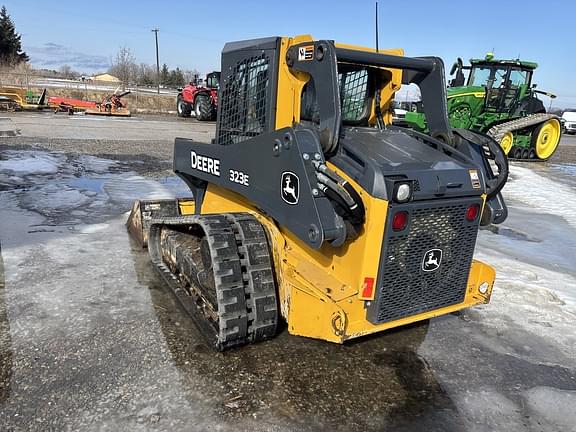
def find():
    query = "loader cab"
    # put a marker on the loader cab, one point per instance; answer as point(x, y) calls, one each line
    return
point(505, 82)
point(213, 80)
point(356, 87)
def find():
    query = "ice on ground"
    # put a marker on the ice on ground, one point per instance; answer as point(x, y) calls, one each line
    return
point(91, 229)
point(71, 190)
point(133, 187)
point(534, 298)
point(539, 239)
point(557, 406)
point(30, 163)
point(53, 197)
point(533, 252)
point(94, 164)
point(487, 410)
point(541, 193)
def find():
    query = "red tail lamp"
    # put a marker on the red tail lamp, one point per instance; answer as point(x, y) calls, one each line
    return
point(400, 221)
point(472, 212)
point(368, 289)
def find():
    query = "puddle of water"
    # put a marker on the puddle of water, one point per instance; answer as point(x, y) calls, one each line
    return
point(79, 189)
point(89, 184)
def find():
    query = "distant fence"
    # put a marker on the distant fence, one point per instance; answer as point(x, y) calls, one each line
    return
point(141, 99)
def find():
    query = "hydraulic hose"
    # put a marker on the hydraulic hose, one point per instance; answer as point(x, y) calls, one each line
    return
point(347, 194)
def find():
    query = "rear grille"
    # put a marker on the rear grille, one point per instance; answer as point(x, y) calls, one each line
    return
point(404, 287)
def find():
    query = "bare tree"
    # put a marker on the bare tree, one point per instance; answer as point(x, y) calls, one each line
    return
point(146, 75)
point(66, 71)
point(189, 75)
point(124, 66)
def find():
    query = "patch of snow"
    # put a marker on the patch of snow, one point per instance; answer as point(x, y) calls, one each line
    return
point(91, 229)
point(53, 197)
point(541, 193)
point(536, 299)
point(557, 406)
point(536, 238)
point(30, 163)
point(125, 189)
point(487, 410)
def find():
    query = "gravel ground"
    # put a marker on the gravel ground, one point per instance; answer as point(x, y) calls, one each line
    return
point(130, 139)
point(117, 139)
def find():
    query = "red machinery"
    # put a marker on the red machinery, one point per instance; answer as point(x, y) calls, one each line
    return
point(200, 99)
point(111, 105)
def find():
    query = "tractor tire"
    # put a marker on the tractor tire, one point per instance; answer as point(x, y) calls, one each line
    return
point(507, 142)
point(183, 108)
point(545, 138)
point(203, 108)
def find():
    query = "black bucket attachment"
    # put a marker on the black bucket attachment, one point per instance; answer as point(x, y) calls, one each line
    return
point(143, 212)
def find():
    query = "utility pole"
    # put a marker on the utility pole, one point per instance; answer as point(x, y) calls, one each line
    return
point(156, 30)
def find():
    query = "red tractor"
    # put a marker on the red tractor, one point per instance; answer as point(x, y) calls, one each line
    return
point(200, 98)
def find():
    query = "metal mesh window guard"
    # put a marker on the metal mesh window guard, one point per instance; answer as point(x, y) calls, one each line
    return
point(353, 86)
point(353, 93)
point(243, 101)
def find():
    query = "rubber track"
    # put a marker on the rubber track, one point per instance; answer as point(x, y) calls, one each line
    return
point(497, 132)
point(258, 274)
point(243, 276)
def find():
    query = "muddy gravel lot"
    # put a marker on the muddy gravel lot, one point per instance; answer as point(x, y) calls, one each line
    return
point(90, 339)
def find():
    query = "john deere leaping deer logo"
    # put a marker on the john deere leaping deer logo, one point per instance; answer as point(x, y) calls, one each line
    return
point(432, 260)
point(290, 187)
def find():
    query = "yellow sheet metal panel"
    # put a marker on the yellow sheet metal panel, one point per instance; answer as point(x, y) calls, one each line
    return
point(290, 86)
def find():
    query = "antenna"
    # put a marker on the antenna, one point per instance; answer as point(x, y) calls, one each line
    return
point(376, 26)
point(377, 108)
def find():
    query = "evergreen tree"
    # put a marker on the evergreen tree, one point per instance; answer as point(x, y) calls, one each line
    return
point(164, 75)
point(10, 45)
point(176, 78)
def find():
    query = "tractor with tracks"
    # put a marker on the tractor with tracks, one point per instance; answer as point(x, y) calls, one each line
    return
point(500, 100)
point(199, 99)
point(310, 206)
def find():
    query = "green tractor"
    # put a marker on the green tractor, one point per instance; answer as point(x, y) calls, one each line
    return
point(500, 100)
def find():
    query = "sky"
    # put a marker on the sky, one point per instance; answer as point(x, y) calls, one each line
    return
point(87, 34)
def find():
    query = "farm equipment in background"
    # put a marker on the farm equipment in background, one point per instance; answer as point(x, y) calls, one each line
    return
point(500, 100)
point(311, 206)
point(199, 99)
point(8, 104)
point(70, 105)
point(399, 110)
point(111, 105)
point(24, 99)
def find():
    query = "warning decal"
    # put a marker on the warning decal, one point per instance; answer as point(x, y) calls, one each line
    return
point(306, 53)
point(475, 179)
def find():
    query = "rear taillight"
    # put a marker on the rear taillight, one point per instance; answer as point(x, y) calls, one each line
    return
point(400, 221)
point(472, 212)
point(368, 288)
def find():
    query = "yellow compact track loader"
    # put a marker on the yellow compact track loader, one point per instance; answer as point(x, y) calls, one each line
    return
point(309, 206)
